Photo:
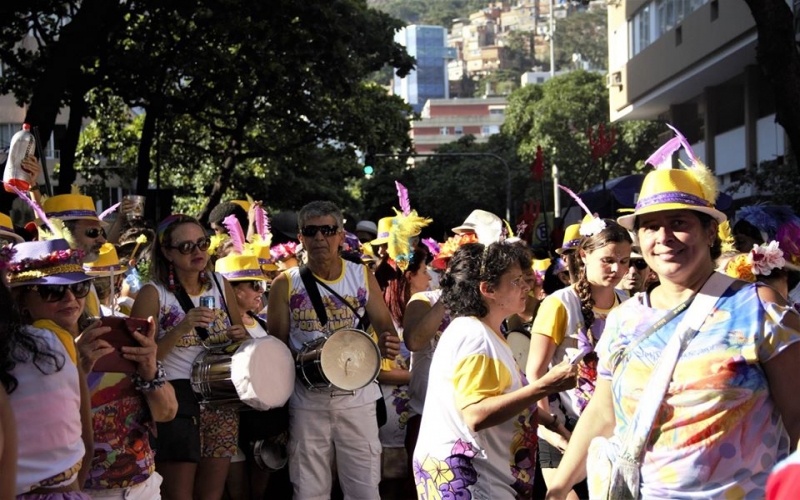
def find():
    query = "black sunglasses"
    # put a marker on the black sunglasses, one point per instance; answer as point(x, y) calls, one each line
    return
point(639, 264)
point(257, 285)
point(187, 247)
point(55, 293)
point(95, 232)
point(311, 231)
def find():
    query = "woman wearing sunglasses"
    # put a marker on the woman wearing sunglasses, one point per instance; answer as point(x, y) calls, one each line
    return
point(194, 450)
point(48, 395)
point(568, 325)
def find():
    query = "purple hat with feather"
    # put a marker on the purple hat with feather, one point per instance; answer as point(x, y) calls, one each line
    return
point(50, 262)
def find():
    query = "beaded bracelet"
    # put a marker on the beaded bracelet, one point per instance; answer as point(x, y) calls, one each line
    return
point(150, 385)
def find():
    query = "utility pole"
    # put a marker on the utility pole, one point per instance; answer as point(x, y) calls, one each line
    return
point(489, 155)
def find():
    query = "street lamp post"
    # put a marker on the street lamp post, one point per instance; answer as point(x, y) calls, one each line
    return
point(490, 155)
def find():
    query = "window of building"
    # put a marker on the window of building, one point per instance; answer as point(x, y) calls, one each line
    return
point(487, 130)
point(444, 131)
point(459, 130)
point(656, 18)
point(496, 111)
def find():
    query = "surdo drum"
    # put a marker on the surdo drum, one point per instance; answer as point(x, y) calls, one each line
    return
point(345, 360)
point(258, 373)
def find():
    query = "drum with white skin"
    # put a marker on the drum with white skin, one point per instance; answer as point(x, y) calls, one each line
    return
point(346, 360)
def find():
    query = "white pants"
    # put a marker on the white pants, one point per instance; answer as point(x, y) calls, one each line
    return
point(351, 436)
point(147, 490)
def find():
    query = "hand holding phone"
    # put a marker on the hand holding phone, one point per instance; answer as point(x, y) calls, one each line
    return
point(118, 337)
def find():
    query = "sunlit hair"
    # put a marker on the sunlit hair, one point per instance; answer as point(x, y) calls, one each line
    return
point(472, 264)
point(159, 265)
point(613, 233)
point(398, 289)
point(320, 209)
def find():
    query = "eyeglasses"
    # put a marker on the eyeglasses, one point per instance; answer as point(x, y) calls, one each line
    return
point(327, 230)
point(187, 247)
point(95, 232)
point(639, 264)
point(55, 293)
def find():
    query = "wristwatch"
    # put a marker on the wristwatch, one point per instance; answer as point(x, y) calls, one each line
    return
point(552, 426)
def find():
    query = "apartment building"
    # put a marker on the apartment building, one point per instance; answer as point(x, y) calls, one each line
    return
point(428, 44)
point(447, 120)
point(692, 63)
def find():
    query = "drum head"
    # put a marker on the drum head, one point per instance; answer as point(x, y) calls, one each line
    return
point(263, 372)
point(520, 344)
point(350, 359)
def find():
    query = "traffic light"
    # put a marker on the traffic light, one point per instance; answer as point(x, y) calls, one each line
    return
point(369, 161)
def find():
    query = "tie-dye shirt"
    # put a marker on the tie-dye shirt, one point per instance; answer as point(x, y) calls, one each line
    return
point(472, 363)
point(718, 433)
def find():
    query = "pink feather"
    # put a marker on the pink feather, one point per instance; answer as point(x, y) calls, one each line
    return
point(577, 199)
point(36, 208)
point(432, 245)
point(402, 194)
point(262, 222)
point(684, 143)
point(660, 159)
point(108, 211)
point(235, 232)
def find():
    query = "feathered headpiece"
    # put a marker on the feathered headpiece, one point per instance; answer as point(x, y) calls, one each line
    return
point(592, 224)
point(433, 246)
point(231, 223)
point(775, 223)
point(760, 261)
point(726, 237)
point(406, 224)
point(263, 234)
point(55, 227)
point(110, 210)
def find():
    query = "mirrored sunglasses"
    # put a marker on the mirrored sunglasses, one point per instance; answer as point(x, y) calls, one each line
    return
point(55, 293)
point(327, 230)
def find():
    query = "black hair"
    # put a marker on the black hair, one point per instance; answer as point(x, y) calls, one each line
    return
point(223, 210)
point(747, 229)
point(472, 264)
point(17, 346)
point(551, 282)
point(706, 221)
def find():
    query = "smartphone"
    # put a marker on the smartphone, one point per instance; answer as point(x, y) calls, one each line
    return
point(120, 336)
point(577, 356)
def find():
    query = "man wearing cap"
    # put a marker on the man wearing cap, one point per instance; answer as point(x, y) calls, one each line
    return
point(366, 231)
point(320, 425)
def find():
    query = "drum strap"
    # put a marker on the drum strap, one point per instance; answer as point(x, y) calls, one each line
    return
point(311, 282)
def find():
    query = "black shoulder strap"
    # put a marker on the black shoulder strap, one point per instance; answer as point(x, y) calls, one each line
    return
point(222, 296)
point(187, 305)
point(313, 294)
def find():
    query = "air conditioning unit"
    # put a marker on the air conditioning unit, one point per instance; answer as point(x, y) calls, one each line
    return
point(614, 79)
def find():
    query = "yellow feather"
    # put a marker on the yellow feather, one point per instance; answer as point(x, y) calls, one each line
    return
point(508, 227)
point(726, 236)
point(404, 228)
point(706, 179)
point(75, 189)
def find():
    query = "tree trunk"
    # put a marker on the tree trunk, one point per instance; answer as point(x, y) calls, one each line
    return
point(143, 164)
point(66, 171)
point(87, 30)
point(779, 60)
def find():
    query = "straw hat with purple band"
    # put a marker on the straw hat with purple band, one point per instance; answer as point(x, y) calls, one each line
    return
point(107, 263)
point(7, 229)
point(665, 188)
point(572, 237)
point(384, 228)
point(69, 207)
point(240, 268)
point(50, 262)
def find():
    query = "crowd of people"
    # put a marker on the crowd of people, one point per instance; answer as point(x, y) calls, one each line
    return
point(299, 355)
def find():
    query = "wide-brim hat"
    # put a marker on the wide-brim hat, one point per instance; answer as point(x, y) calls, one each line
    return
point(107, 263)
point(572, 237)
point(239, 268)
point(7, 229)
point(384, 229)
point(69, 207)
point(367, 226)
point(671, 189)
point(449, 247)
point(263, 253)
point(486, 225)
point(50, 262)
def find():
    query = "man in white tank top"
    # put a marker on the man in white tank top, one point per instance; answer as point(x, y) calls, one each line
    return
point(320, 425)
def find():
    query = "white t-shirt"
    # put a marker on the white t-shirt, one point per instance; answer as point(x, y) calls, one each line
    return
point(471, 363)
point(178, 362)
point(421, 360)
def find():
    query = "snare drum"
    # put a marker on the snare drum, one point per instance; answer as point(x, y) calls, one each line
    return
point(258, 373)
point(520, 343)
point(346, 360)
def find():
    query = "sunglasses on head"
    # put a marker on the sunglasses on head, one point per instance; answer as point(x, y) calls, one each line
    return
point(95, 232)
point(327, 230)
point(55, 293)
point(639, 264)
point(187, 247)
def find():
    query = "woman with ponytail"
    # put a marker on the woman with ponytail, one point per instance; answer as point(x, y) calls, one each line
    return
point(569, 324)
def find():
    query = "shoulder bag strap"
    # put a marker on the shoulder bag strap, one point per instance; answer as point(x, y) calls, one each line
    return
point(187, 305)
point(313, 294)
point(260, 321)
point(638, 432)
point(363, 321)
point(222, 296)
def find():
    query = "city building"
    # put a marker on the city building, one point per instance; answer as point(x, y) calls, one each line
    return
point(447, 120)
point(693, 64)
point(428, 44)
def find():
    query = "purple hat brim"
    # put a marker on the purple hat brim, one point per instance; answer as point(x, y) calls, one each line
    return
point(54, 279)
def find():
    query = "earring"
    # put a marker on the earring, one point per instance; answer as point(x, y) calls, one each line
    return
point(171, 278)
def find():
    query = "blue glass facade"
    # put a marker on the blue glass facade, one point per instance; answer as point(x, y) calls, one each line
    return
point(428, 44)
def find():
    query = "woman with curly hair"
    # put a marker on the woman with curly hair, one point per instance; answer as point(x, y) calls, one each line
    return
point(478, 432)
point(569, 324)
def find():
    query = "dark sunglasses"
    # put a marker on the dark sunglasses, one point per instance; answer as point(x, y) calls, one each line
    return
point(257, 286)
point(187, 247)
point(311, 231)
point(95, 232)
point(55, 293)
point(639, 264)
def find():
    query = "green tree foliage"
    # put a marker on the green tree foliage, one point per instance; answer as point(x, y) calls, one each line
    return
point(584, 33)
point(558, 115)
point(434, 12)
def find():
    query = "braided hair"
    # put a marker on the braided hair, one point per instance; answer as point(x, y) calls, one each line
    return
point(613, 233)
